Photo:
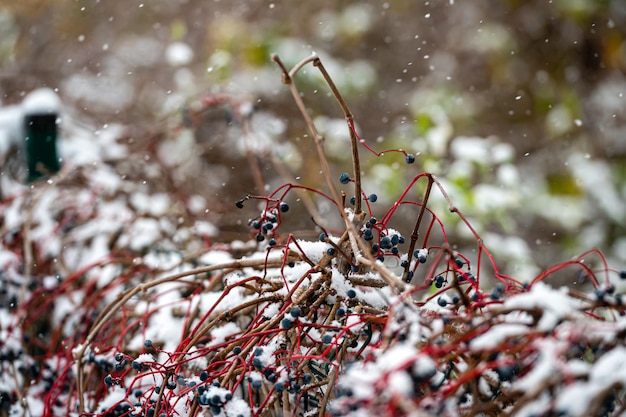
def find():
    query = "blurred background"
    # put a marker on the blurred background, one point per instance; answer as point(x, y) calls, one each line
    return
point(519, 106)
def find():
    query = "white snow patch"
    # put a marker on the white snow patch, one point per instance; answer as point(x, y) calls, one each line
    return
point(554, 304)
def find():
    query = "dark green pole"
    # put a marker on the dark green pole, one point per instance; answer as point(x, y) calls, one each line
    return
point(41, 151)
point(41, 110)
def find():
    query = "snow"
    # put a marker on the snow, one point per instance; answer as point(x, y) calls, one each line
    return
point(145, 357)
point(41, 101)
point(11, 128)
point(609, 371)
point(219, 334)
point(496, 335)
point(312, 250)
point(154, 205)
point(116, 395)
point(555, 304)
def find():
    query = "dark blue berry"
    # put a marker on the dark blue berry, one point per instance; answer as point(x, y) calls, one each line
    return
point(256, 384)
point(495, 294)
point(395, 239)
point(410, 158)
point(270, 375)
point(286, 323)
point(136, 365)
point(204, 375)
point(622, 274)
point(147, 343)
point(330, 251)
point(239, 204)
point(404, 264)
point(507, 372)
point(237, 350)
point(351, 293)
point(260, 237)
point(203, 400)
point(400, 240)
point(323, 237)
point(296, 311)
point(373, 198)
point(228, 396)
point(459, 262)
point(341, 312)
point(108, 380)
point(279, 387)
point(258, 351)
point(599, 294)
point(442, 302)
point(284, 207)
point(395, 251)
point(344, 178)
point(256, 224)
point(385, 243)
point(368, 235)
point(257, 363)
point(272, 242)
point(326, 339)
point(353, 200)
point(307, 378)
point(119, 357)
point(372, 221)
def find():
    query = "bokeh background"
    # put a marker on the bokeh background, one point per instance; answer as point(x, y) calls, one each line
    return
point(518, 106)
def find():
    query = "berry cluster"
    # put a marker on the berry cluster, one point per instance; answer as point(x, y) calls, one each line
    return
point(387, 242)
point(265, 226)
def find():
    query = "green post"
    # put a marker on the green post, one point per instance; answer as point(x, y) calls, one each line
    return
point(41, 112)
point(41, 150)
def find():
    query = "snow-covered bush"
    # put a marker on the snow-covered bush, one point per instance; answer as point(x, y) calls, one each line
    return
point(117, 302)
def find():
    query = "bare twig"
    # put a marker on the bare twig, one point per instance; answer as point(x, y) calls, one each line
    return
point(415, 233)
